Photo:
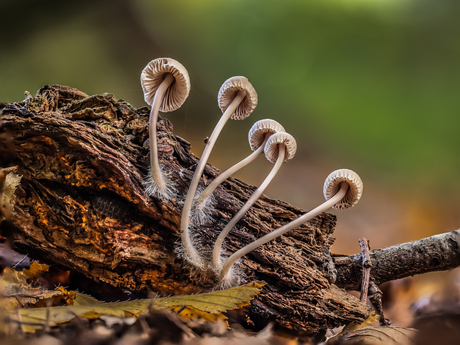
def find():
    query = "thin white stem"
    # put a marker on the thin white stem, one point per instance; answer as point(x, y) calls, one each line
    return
point(190, 250)
point(157, 176)
point(247, 205)
point(285, 228)
point(227, 173)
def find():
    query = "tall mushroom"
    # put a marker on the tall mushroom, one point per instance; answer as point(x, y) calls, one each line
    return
point(237, 99)
point(342, 189)
point(166, 86)
point(280, 148)
point(257, 137)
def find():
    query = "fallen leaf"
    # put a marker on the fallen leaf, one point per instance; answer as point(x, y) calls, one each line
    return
point(35, 271)
point(354, 326)
point(20, 294)
point(208, 306)
point(189, 313)
point(82, 299)
point(377, 336)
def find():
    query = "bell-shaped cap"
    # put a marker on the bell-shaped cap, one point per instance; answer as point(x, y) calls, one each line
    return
point(228, 92)
point(332, 186)
point(155, 72)
point(272, 146)
point(259, 129)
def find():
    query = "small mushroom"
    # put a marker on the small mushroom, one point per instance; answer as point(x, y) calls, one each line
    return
point(258, 136)
point(166, 86)
point(237, 99)
point(342, 189)
point(280, 147)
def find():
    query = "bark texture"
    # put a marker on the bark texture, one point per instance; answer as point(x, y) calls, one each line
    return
point(431, 254)
point(80, 203)
point(71, 183)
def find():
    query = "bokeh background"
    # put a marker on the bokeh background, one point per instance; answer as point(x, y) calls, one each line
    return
point(369, 85)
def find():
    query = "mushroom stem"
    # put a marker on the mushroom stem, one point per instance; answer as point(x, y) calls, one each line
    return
point(189, 249)
point(229, 172)
point(157, 175)
point(285, 228)
point(245, 208)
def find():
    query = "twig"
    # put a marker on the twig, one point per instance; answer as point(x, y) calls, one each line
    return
point(181, 309)
point(48, 314)
point(375, 295)
point(20, 323)
point(431, 254)
point(19, 262)
point(367, 265)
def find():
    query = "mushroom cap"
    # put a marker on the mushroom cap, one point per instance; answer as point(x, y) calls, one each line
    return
point(272, 146)
point(153, 75)
point(258, 130)
point(228, 92)
point(332, 186)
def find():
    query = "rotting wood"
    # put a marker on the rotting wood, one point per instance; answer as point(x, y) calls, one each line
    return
point(82, 160)
point(81, 204)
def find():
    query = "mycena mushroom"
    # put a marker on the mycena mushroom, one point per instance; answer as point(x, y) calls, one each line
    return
point(257, 137)
point(280, 148)
point(342, 189)
point(166, 86)
point(237, 99)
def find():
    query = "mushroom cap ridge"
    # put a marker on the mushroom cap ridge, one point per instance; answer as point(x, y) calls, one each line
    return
point(272, 146)
point(154, 73)
point(256, 135)
point(228, 92)
point(332, 186)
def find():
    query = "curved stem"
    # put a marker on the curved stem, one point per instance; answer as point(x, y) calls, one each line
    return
point(157, 176)
point(190, 250)
point(285, 228)
point(227, 173)
point(247, 205)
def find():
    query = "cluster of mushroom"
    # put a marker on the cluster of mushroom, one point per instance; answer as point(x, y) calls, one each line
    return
point(166, 85)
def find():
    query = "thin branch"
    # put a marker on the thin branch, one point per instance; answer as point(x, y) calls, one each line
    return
point(375, 295)
point(20, 261)
point(431, 254)
point(367, 264)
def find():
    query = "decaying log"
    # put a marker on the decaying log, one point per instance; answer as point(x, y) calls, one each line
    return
point(80, 203)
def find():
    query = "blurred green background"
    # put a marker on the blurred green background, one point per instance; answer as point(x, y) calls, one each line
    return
point(369, 85)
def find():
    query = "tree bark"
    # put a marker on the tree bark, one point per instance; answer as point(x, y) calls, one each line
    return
point(81, 203)
point(431, 254)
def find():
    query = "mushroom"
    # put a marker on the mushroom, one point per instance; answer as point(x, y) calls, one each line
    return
point(342, 189)
point(237, 99)
point(166, 86)
point(258, 136)
point(280, 147)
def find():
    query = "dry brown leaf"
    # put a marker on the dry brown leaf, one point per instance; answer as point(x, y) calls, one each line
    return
point(207, 306)
point(377, 336)
point(20, 294)
point(35, 271)
point(354, 326)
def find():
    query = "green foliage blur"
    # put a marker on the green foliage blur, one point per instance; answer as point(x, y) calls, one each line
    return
point(369, 85)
